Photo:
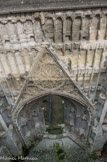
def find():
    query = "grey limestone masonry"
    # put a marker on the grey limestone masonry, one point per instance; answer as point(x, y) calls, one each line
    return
point(51, 49)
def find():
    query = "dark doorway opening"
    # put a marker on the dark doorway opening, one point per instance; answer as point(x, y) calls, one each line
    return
point(53, 108)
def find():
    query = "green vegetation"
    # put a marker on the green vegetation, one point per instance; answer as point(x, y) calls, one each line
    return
point(54, 129)
point(60, 152)
point(31, 145)
point(93, 155)
point(57, 116)
point(57, 110)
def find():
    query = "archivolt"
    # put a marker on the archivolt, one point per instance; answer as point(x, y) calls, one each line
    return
point(62, 94)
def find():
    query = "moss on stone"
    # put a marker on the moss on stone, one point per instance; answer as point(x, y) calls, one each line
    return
point(54, 129)
point(60, 152)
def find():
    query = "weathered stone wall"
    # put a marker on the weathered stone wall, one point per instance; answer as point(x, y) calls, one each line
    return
point(79, 38)
point(32, 119)
point(77, 70)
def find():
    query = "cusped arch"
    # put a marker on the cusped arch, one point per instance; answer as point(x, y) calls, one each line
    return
point(61, 94)
point(25, 114)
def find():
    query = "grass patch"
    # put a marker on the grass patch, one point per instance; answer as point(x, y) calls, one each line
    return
point(59, 150)
point(93, 155)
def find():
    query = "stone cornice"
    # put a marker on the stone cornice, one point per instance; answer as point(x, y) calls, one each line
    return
point(17, 6)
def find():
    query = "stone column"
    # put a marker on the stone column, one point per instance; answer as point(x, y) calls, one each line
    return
point(104, 111)
point(15, 149)
point(101, 136)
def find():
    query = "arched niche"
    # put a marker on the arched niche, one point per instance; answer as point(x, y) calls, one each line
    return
point(59, 30)
point(49, 29)
point(68, 29)
point(33, 116)
point(94, 27)
point(38, 31)
point(76, 29)
point(86, 28)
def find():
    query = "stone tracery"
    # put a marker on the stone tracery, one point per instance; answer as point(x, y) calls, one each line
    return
point(79, 38)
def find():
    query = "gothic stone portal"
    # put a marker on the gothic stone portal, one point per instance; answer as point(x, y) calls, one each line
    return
point(53, 110)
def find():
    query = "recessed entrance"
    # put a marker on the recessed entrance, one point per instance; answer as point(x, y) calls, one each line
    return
point(53, 114)
point(53, 108)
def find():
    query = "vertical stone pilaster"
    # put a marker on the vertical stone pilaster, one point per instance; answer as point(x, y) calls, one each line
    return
point(14, 147)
